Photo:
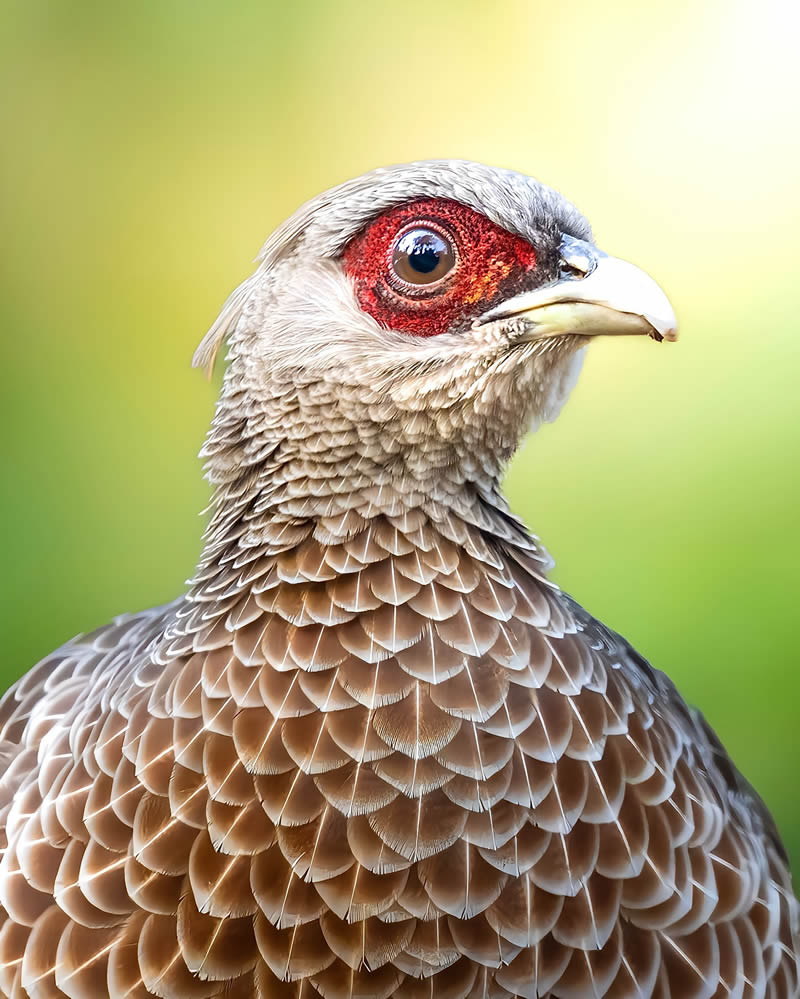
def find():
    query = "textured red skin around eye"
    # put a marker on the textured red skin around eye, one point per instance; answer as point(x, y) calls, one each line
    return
point(492, 261)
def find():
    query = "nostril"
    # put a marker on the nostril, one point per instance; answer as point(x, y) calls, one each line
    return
point(577, 258)
point(569, 270)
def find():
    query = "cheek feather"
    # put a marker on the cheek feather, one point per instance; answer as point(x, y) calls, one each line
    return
point(491, 263)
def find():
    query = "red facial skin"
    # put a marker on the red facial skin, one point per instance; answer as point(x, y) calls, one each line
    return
point(491, 262)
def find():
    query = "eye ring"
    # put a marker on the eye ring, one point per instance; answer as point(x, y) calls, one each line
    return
point(431, 238)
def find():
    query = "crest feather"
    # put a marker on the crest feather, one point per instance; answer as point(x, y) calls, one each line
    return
point(206, 354)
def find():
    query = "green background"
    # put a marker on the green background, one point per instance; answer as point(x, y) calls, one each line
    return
point(147, 149)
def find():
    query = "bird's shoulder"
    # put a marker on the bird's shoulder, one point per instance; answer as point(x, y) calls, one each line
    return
point(655, 691)
point(98, 658)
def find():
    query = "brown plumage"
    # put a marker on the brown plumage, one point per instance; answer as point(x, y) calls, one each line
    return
point(373, 750)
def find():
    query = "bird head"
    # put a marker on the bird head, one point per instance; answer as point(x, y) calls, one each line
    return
point(421, 315)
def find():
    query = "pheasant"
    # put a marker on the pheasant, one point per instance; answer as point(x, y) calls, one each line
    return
point(373, 750)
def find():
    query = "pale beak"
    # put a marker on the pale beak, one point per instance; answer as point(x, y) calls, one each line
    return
point(596, 296)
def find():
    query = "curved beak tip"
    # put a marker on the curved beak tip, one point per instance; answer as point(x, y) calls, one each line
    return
point(663, 326)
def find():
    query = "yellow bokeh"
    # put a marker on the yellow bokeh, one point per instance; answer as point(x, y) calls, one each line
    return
point(147, 150)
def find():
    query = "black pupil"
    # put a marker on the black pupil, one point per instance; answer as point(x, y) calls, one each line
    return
point(423, 249)
point(424, 255)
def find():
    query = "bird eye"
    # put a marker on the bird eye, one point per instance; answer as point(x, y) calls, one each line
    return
point(421, 257)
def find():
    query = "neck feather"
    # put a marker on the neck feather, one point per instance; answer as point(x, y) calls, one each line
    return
point(307, 491)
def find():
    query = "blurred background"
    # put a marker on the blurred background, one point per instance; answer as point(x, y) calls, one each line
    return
point(147, 150)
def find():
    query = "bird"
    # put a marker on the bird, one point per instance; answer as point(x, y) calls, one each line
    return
point(373, 749)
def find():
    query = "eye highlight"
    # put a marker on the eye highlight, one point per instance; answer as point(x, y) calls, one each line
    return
point(422, 257)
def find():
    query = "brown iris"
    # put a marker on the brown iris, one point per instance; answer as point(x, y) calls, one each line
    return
point(422, 256)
